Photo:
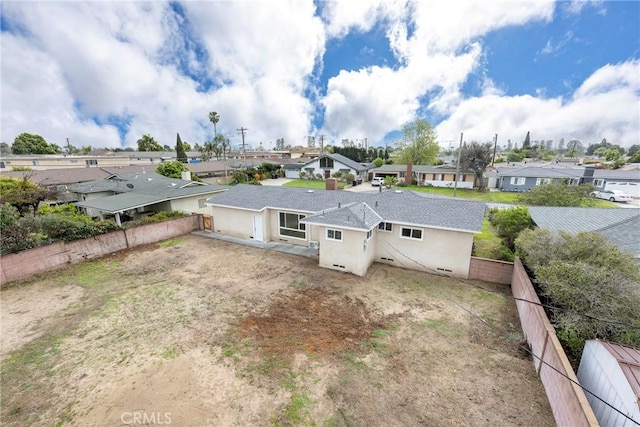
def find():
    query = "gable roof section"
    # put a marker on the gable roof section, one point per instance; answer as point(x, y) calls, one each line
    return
point(137, 190)
point(342, 159)
point(621, 226)
point(538, 172)
point(356, 215)
point(405, 207)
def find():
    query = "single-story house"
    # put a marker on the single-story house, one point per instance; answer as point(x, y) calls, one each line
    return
point(327, 165)
point(352, 230)
point(612, 372)
point(526, 178)
point(437, 176)
point(129, 196)
point(620, 226)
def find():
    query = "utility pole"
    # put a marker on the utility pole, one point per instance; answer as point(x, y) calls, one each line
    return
point(241, 131)
point(495, 145)
point(68, 147)
point(455, 182)
point(321, 144)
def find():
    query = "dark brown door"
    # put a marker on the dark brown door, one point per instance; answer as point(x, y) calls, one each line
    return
point(327, 173)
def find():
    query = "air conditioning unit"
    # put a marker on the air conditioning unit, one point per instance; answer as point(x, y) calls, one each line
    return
point(313, 244)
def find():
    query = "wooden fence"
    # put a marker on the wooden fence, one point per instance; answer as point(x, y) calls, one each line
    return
point(568, 402)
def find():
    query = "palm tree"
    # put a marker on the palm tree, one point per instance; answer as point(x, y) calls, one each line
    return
point(214, 118)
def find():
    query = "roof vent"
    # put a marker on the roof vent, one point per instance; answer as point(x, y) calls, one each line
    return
point(149, 179)
point(309, 191)
point(398, 191)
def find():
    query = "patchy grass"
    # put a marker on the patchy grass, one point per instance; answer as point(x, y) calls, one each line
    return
point(488, 244)
point(308, 183)
point(465, 193)
point(170, 242)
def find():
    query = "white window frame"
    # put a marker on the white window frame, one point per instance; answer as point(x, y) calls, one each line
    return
point(412, 230)
point(301, 227)
point(331, 234)
point(518, 180)
point(369, 234)
point(598, 182)
point(543, 181)
point(383, 227)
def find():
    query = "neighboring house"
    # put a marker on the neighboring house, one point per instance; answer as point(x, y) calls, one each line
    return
point(61, 161)
point(612, 372)
point(328, 164)
point(292, 170)
point(352, 230)
point(437, 176)
point(129, 196)
point(526, 178)
point(620, 226)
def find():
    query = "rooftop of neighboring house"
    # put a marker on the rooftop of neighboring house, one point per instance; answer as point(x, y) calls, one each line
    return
point(549, 171)
point(70, 176)
point(418, 168)
point(404, 207)
point(140, 189)
point(621, 226)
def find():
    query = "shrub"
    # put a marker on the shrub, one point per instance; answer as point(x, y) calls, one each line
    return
point(557, 195)
point(510, 222)
point(588, 280)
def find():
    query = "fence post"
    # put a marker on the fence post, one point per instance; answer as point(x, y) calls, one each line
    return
point(544, 349)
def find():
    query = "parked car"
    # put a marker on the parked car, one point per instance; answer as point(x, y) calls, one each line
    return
point(613, 195)
point(377, 181)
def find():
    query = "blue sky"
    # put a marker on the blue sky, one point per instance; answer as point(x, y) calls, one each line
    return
point(105, 73)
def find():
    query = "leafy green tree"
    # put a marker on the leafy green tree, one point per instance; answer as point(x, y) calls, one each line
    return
point(186, 146)
point(635, 148)
point(476, 157)
point(4, 149)
point(515, 156)
point(174, 169)
point(418, 145)
point(181, 155)
point(557, 195)
point(378, 162)
point(147, 143)
point(279, 144)
point(635, 158)
point(593, 285)
point(510, 222)
point(27, 143)
point(527, 142)
point(8, 215)
point(23, 194)
point(390, 181)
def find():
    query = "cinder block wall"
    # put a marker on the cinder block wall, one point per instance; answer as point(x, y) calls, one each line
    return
point(25, 264)
point(491, 270)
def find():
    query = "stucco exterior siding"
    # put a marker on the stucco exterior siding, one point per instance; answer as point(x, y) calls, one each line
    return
point(349, 255)
point(272, 228)
point(439, 251)
point(233, 222)
point(191, 204)
point(461, 184)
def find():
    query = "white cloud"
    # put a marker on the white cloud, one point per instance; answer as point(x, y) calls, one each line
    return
point(437, 47)
point(607, 105)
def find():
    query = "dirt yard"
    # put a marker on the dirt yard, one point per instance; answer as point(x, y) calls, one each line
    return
point(199, 332)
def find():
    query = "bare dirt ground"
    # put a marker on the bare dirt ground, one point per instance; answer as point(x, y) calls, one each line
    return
point(198, 332)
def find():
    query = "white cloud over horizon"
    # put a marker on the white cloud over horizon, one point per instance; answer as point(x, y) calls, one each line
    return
point(101, 68)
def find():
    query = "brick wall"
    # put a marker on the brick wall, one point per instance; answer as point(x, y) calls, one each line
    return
point(491, 270)
point(25, 264)
point(568, 402)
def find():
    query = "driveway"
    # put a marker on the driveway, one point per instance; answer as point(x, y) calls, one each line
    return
point(276, 182)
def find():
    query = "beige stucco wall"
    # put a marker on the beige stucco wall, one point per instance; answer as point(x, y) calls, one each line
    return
point(273, 229)
point(349, 255)
point(191, 205)
point(439, 251)
point(233, 222)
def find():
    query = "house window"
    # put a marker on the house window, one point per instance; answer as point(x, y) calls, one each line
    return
point(74, 161)
point(290, 225)
point(411, 233)
point(35, 162)
point(369, 234)
point(385, 226)
point(598, 182)
point(334, 234)
point(2, 165)
point(91, 162)
point(543, 181)
point(517, 180)
point(437, 177)
point(326, 162)
point(201, 203)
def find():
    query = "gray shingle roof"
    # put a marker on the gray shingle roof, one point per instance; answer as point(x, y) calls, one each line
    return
point(419, 168)
point(404, 207)
point(137, 190)
point(538, 172)
point(621, 226)
point(354, 215)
